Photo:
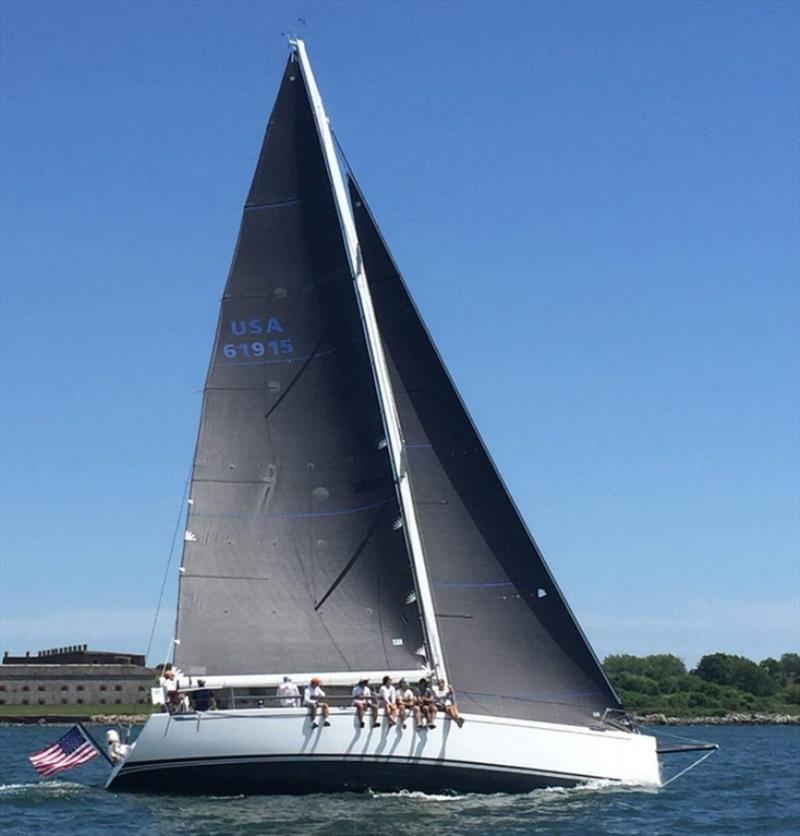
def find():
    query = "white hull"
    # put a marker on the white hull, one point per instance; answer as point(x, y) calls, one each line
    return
point(278, 751)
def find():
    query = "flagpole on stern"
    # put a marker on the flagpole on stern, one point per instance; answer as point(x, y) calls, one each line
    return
point(91, 739)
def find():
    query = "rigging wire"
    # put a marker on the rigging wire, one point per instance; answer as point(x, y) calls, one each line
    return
point(708, 754)
point(684, 739)
point(169, 563)
point(339, 148)
point(680, 737)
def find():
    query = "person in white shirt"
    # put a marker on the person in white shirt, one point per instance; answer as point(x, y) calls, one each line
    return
point(389, 700)
point(362, 699)
point(313, 700)
point(117, 751)
point(406, 702)
point(288, 692)
point(174, 700)
point(167, 679)
point(446, 701)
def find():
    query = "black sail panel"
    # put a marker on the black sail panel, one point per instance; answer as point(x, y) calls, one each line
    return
point(511, 644)
point(292, 560)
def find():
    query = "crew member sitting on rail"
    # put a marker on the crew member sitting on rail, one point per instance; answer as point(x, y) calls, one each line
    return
point(408, 703)
point(362, 699)
point(389, 700)
point(426, 703)
point(446, 701)
point(313, 699)
point(400, 707)
point(288, 692)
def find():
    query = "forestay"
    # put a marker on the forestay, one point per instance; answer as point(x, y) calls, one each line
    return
point(294, 559)
point(511, 644)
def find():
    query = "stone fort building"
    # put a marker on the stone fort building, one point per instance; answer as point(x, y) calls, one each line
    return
point(76, 676)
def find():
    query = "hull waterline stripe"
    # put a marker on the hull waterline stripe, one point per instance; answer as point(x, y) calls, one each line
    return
point(178, 763)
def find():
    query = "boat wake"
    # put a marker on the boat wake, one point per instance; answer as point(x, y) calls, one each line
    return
point(43, 790)
point(225, 798)
point(539, 796)
point(421, 796)
point(596, 786)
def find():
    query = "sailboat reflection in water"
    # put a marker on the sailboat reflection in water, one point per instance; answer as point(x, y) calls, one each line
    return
point(347, 522)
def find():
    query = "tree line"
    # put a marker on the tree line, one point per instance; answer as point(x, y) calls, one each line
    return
point(721, 683)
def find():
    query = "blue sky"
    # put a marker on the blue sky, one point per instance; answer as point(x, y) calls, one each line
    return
point(595, 206)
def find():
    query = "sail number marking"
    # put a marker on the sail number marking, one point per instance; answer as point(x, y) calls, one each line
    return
point(257, 349)
point(260, 347)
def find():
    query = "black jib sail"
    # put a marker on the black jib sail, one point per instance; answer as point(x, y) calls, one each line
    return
point(293, 559)
point(511, 644)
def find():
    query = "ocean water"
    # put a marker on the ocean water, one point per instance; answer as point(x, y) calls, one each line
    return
point(752, 786)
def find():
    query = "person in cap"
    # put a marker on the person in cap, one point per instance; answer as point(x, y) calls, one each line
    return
point(388, 699)
point(446, 701)
point(407, 702)
point(313, 699)
point(204, 698)
point(176, 700)
point(427, 705)
point(289, 693)
point(362, 699)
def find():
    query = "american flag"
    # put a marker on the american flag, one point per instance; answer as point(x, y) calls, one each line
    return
point(73, 749)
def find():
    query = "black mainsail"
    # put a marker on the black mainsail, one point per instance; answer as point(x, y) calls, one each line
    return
point(511, 644)
point(293, 560)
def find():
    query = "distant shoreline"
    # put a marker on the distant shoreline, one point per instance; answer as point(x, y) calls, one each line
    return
point(732, 719)
point(69, 719)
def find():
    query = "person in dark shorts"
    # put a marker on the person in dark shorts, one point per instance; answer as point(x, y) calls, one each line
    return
point(426, 703)
point(364, 701)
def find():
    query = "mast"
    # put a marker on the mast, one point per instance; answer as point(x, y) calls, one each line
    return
point(391, 421)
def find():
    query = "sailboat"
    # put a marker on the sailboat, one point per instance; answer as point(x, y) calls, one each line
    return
point(346, 521)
